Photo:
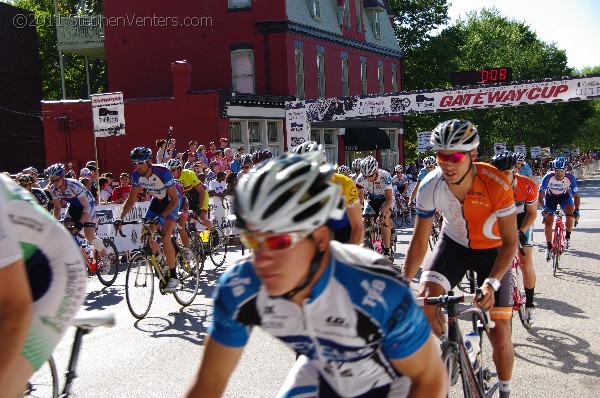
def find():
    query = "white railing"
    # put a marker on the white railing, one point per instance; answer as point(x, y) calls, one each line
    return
point(73, 30)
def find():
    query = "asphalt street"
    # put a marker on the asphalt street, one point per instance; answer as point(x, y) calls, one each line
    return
point(158, 356)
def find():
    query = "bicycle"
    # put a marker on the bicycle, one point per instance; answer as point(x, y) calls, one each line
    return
point(373, 238)
point(401, 215)
point(213, 243)
point(107, 268)
point(558, 241)
point(475, 377)
point(434, 236)
point(139, 280)
point(44, 382)
point(516, 279)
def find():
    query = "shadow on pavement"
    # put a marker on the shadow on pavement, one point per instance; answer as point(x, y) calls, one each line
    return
point(563, 352)
point(104, 298)
point(560, 307)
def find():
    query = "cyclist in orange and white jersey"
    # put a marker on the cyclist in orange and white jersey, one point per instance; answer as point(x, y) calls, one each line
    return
point(479, 233)
point(526, 199)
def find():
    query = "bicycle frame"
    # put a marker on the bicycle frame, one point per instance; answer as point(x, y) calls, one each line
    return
point(558, 240)
point(145, 239)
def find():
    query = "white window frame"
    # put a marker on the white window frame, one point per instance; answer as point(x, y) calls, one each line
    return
point(376, 25)
point(331, 151)
point(276, 147)
point(347, 16)
point(394, 78)
point(390, 157)
point(315, 9)
point(233, 137)
point(299, 58)
point(380, 81)
point(234, 54)
point(358, 7)
point(345, 78)
point(321, 74)
point(363, 77)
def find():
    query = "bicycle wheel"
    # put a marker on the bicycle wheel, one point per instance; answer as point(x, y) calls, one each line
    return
point(44, 382)
point(139, 285)
point(217, 246)
point(108, 267)
point(189, 277)
point(197, 246)
point(451, 362)
point(519, 294)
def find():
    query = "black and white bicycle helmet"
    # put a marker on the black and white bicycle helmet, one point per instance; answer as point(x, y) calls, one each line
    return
point(504, 160)
point(356, 164)
point(312, 149)
point(141, 154)
point(455, 135)
point(345, 170)
point(288, 193)
point(25, 179)
point(369, 166)
point(520, 157)
point(429, 161)
point(398, 168)
point(56, 170)
point(246, 159)
point(174, 164)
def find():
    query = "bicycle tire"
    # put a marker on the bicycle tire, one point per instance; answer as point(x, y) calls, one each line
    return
point(197, 246)
point(449, 358)
point(217, 246)
point(519, 294)
point(189, 278)
point(44, 382)
point(139, 285)
point(107, 272)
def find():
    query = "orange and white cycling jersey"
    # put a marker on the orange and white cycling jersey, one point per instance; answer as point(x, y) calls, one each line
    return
point(526, 192)
point(472, 223)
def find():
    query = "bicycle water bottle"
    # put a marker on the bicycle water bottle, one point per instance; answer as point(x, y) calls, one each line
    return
point(472, 344)
point(89, 251)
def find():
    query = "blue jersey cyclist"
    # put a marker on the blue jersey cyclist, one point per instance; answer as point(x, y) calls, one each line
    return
point(164, 206)
point(559, 188)
point(80, 204)
point(345, 310)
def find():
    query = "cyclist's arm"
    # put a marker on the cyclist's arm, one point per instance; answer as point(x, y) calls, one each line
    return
point(417, 248)
point(218, 363)
point(425, 370)
point(131, 199)
point(541, 199)
point(87, 207)
point(577, 200)
point(173, 201)
point(389, 200)
point(15, 316)
point(57, 207)
point(357, 232)
point(530, 215)
point(414, 191)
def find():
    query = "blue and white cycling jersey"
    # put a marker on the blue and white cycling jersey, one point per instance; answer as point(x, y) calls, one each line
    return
point(550, 185)
point(74, 193)
point(157, 182)
point(360, 315)
point(422, 173)
point(377, 188)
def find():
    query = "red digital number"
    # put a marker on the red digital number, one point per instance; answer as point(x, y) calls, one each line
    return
point(502, 74)
point(484, 76)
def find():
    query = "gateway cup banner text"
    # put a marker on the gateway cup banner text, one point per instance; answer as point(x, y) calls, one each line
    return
point(108, 113)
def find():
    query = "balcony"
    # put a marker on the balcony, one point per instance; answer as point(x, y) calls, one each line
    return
point(82, 35)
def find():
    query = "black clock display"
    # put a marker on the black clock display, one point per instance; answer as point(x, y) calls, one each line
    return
point(483, 76)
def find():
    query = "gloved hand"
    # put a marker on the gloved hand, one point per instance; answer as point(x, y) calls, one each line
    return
point(118, 223)
point(78, 226)
point(522, 238)
point(160, 220)
point(576, 213)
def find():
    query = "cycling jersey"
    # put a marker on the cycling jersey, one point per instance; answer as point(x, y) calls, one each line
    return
point(75, 194)
point(350, 193)
point(360, 315)
point(422, 173)
point(157, 182)
point(526, 170)
point(377, 188)
point(472, 223)
point(400, 184)
point(525, 192)
point(55, 268)
point(189, 179)
point(40, 196)
point(550, 185)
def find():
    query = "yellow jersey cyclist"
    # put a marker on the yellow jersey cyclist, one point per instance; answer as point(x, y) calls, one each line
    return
point(164, 206)
point(479, 233)
point(350, 228)
point(42, 285)
point(196, 194)
point(526, 199)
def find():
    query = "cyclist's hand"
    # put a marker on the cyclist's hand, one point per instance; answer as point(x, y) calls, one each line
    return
point(160, 220)
point(78, 226)
point(487, 300)
point(522, 238)
point(576, 213)
point(118, 223)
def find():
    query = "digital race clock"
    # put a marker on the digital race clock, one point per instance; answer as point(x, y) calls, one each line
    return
point(484, 76)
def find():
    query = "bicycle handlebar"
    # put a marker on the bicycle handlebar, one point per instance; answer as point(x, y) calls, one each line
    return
point(445, 300)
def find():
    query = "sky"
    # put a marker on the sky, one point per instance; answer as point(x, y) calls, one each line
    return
point(574, 25)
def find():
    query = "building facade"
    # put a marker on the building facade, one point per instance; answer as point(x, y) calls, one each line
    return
point(247, 57)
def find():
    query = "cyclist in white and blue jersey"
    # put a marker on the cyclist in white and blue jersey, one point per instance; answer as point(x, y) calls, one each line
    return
point(559, 188)
point(345, 310)
point(164, 206)
point(80, 204)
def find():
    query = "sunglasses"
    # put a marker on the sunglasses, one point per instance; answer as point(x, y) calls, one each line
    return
point(53, 180)
point(453, 158)
point(273, 242)
point(246, 167)
point(138, 162)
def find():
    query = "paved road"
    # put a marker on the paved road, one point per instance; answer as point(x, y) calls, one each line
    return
point(156, 357)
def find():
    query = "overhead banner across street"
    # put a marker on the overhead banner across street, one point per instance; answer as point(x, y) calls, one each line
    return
point(300, 114)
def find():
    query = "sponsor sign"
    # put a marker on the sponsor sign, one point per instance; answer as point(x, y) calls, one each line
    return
point(521, 149)
point(575, 152)
point(423, 141)
point(536, 152)
point(546, 151)
point(108, 113)
point(499, 147)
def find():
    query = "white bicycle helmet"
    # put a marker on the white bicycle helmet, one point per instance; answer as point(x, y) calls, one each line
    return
point(288, 193)
point(174, 164)
point(369, 166)
point(399, 168)
point(312, 149)
point(356, 164)
point(520, 157)
point(429, 161)
point(345, 170)
point(454, 135)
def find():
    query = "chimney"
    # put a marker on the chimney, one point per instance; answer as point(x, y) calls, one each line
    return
point(182, 77)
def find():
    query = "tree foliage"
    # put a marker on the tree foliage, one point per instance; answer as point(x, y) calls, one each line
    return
point(75, 76)
point(488, 39)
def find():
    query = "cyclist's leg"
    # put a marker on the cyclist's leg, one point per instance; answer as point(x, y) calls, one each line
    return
point(205, 221)
point(549, 209)
point(529, 277)
point(568, 208)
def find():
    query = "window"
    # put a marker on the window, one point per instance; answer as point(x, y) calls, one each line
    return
point(347, 14)
point(316, 9)
point(272, 135)
point(321, 74)
point(394, 79)
point(235, 131)
point(238, 3)
point(380, 78)
point(389, 157)
point(242, 66)
point(327, 138)
point(345, 83)
point(299, 72)
point(363, 75)
point(358, 16)
point(254, 132)
point(377, 26)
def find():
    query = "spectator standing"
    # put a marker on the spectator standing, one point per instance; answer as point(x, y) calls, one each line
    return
point(193, 146)
point(161, 153)
point(215, 167)
point(218, 186)
point(223, 144)
point(227, 159)
point(236, 165)
point(210, 153)
point(121, 193)
point(191, 159)
point(105, 196)
point(201, 152)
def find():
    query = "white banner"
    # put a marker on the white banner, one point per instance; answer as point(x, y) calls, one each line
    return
point(546, 151)
point(499, 147)
point(536, 152)
point(521, 149)
point(566, 152)
point(296, 123)
point(423, 138)
point(575, 152)
point(108, 114)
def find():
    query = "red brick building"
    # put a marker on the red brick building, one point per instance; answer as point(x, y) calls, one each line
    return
point(243, 60)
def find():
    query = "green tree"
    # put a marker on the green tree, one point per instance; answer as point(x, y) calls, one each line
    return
point(75, 77)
